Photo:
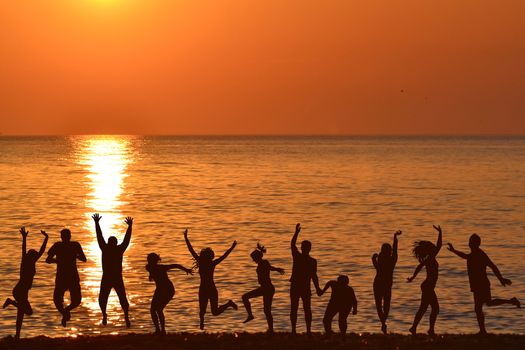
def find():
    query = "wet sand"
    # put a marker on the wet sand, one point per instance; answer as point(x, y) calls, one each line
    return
point(182, 341)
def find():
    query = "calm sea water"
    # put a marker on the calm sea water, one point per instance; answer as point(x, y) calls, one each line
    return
point(349, 194)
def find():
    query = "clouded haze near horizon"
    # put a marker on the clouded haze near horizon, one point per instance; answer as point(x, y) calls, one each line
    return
point(254, 67)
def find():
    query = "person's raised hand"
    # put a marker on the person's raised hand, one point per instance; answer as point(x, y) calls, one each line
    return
point(189, 271)
point(398, 233)
point(375, 256)
point(44, 233)
point(437, 228)
point(23, 231)
point(96, 217)
point(129, 220)
point(410, 279)
point(280, 270)
point(450, 247)
point(234, 244)
point(298, 228)
point(186, 233)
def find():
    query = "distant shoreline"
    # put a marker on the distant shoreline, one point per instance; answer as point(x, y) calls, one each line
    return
point(182, 341)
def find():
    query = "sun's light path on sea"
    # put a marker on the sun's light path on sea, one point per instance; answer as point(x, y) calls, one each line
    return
point(105, 159)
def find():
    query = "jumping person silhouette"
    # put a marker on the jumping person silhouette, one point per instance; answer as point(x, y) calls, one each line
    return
point(207, 290)
point(304, 270)
point(27, 273)
point(342, 301)
point(384, 263)
point(426, 252)
point(266, 290)
point(477, 262)
point(112, 255)
point(164, 290)
point(65, 255)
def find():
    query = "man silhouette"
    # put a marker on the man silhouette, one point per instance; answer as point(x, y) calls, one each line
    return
point(477, 262)
point(304, 270)
point(112, 254)
point(65, 255)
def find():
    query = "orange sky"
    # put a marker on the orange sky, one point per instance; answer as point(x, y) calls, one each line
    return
point(262, 67)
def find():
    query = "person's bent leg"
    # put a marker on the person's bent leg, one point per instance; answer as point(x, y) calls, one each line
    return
point(58, 297)
point(216, 310)
point(307, 306)
point(420, 312)
point(330, 312)
point(76, 296)
point(246, 301)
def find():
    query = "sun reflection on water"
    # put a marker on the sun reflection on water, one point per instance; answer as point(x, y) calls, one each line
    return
point(105, 159)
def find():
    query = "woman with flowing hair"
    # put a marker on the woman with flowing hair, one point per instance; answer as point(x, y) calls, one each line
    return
point(426, 252)
point(27, 274)
point(384, 263)
point(164, 290)
point(266, 289)
point(206, 264)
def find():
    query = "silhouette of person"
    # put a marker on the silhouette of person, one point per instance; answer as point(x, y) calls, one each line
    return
point(164, 290)
point(342, 301)
point(65, 255)
point(477, 262)
point(266, 289)
point(207, 290)
point(384, 263)
point(112, 255)
point(304, 270)
point(426, 252)
point(27, 273)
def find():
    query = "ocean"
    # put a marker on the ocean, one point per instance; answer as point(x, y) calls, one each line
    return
point(350, 195)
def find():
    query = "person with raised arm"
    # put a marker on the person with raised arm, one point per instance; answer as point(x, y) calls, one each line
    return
point(426, 252)
point(384, 263)
point(342, 302)
point(304, 271)
point(266, 289)
point(477, 263)
point(164, 290)
point(65, 254)
point(112, 256)
point(206, 263)
point(27, 274)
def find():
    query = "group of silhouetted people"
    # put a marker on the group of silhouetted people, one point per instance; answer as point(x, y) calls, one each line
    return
point(304, 271)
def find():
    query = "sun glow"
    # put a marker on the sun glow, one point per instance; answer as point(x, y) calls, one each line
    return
point(105, 159)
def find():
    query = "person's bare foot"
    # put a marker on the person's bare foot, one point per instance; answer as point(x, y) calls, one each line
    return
point(412, 330)
point(201, 325)
point(248, 319)
point(431, 332)
point(66, 316)
point(128, 322)
point(104, 319)
point(233, 305)
point(516, 302)
point(383, 328)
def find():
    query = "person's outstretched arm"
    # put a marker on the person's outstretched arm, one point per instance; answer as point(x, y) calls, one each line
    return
point(180, 267)
point(80, 253)
point(394, 245)
point(127, 237)
point(278, 269)
point(293, 242)
point(100, 238)
point(439, 242)
point(326, 286)
point(418, 268)
point(190, 248)
point(44, 243)
point(24, 234)
point(457, 252)
point(502, 280)
point(225, 255)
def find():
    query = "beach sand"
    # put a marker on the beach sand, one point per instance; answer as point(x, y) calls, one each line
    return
point(182, 341)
